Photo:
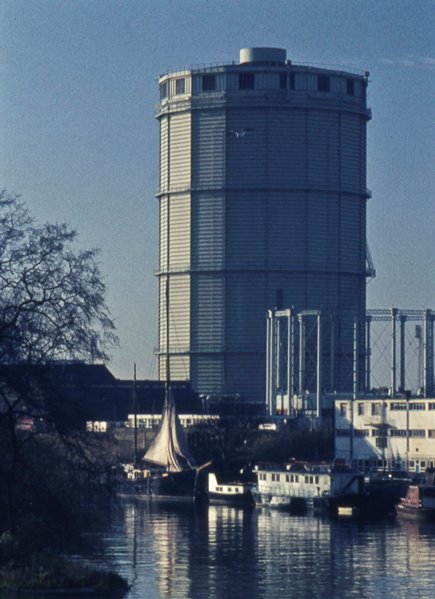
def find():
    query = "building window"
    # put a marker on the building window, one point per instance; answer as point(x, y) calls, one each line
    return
point(382, 431)
point(283, 80)
point(361, 432)
point(208, 83)
point(431, 433)
point(164, 90)
point(417, 433)
point(376, 409)
point(246, 81)
point(398, 406)
point(291, 81)
point(350, 87)
point(342, 409)
point(323, 83)
point(360, 409)
point(397, 432)
point(417, 406)
point(180, 86)
point(381, 442)
point(432, 406)
point(287, 478)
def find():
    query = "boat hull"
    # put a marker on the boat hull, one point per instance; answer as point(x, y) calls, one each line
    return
point(415, 513)
point(175, 486)
point(418, 504)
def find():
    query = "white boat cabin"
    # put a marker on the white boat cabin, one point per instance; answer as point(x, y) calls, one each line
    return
point(230, 488)
point(305, 481)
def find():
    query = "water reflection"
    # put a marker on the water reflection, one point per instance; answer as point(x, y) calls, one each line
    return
point(179, 552)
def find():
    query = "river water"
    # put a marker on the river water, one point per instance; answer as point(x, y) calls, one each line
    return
point(182, 552)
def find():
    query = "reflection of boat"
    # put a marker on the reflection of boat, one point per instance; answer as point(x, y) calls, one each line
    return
point(419, 503)
point(280, 503)
point(230, 493)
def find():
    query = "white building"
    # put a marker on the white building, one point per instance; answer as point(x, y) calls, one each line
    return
point(152, 421)
point(392, 434)
point(262, 202)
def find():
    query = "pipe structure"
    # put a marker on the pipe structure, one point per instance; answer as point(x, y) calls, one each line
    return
point(393, 352)
point(319, 367)
point(402, 320)
point(301, 354)
point(332, 354)
point(355, 387)
point(278, 360)
point(368, 353)
point(428, 354)
point(290, 360)
point(268, 391)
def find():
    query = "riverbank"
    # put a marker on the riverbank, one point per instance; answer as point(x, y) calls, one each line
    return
point(58, 575)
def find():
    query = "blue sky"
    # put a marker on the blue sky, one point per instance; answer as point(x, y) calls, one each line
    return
point(78, 86)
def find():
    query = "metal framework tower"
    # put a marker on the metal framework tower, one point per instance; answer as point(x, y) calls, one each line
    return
point(294, 339)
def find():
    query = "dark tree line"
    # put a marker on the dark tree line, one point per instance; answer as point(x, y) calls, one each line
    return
point(52, 307)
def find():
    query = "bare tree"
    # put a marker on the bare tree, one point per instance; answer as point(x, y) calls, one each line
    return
point(52, 302)
point(52, 307)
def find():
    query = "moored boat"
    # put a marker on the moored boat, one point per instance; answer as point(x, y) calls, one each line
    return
point(418, 503)
point(234, 493)
point(168, 470)
point(302, 486)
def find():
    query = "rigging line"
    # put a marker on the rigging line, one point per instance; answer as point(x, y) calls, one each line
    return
point(177, 338)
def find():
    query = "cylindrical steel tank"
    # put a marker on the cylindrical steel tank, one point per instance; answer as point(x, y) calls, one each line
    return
point(262, 205)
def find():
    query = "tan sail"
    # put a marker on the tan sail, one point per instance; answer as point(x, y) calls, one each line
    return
point(169, 447)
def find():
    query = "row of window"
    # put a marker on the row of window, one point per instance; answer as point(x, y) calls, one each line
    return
point(247, 81)
point(229, 489)
point(393, 432)
point(393, 464)
point(412, 405)
point(289, 478)
point(375, 408)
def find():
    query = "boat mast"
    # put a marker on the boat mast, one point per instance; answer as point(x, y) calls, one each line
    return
point(135, 415)
point(167, 365)
point(168, 369)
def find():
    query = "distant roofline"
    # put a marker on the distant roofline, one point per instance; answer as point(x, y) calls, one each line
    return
point(201, 67)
